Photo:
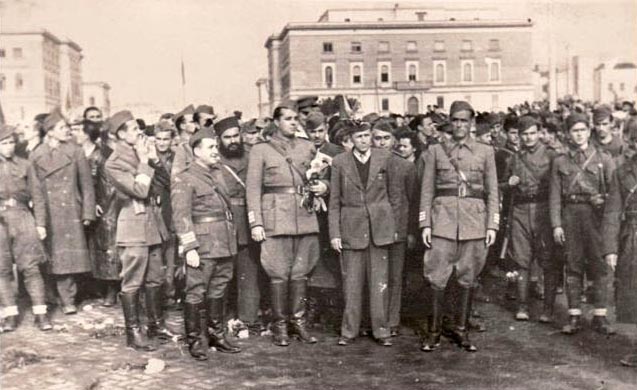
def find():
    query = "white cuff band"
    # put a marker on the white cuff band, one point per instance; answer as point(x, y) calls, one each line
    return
point(600, 312)
point(10, 311)
point(574, 312)
point(39, 309)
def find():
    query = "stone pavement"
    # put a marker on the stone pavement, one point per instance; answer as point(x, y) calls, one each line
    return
point(87, 351)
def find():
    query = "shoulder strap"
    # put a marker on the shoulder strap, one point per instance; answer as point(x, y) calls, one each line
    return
point(289, 161)
point(233, 173)
point(454, 163)
point(581, 170)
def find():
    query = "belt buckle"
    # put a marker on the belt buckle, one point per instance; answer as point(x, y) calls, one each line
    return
point(228, 215)
point(462, 190)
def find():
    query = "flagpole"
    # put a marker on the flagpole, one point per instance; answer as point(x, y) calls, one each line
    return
point(183, 82)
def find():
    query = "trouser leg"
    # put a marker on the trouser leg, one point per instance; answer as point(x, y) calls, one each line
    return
point(395, 278)
point(377, 270)
point(67, 289)
point(353, 270)
point(248, 294)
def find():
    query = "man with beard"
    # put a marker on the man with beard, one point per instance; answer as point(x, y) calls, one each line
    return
point(234, 167)
point(93, 114)
point(186, 127)
point(604, 138)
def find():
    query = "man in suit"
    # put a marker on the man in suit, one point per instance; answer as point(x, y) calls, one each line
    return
point(362, 228)
point(140, 229)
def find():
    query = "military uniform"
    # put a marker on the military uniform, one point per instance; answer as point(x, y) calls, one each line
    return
point(291, 248)
point(65, 177)
point(19, 241)
point(530, 226)
point(183, 157)
point(578, 179)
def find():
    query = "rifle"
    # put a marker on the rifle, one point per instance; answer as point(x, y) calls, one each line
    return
point(505, 242)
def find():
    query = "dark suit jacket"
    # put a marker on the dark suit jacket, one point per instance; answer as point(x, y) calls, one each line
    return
point(360, 216)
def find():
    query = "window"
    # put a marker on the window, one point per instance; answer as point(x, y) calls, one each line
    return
point(19, 82)
point(494, 44)
point(466, 67)
point(413, 106)
point(383, 47)
point(493, 67)
point(328, 74)
point(412, 70)
point(384, 73)
point(17, 52)
point(327, 47)
point(467, 45)
point(357, 47)
point(2, 53)
point(384, 104)
point(412, 46)
point(356, 75)
point(440, 101)
point(440, 72)
point(439, 46)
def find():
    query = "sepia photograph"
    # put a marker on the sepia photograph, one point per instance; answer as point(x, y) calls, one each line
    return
point(318, 194)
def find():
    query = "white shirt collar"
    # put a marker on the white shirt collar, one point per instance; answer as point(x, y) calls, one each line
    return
point(363, 157)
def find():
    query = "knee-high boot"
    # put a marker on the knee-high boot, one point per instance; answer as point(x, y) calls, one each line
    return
point(298, 296)
point(216, 328)
point(279, 313)
point(135, 337)
point(196, 330)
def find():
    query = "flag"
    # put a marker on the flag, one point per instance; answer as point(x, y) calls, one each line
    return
point(183, 73)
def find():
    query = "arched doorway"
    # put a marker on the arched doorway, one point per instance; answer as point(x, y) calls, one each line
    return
point(413, 106)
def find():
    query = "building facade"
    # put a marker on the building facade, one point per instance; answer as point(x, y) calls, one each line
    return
point(403, 60)
point(615, 81)
point(97, 94)
point(38, 71)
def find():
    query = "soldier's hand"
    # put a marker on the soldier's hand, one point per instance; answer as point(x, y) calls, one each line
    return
point(337, 244)
point(426, 237)
point(258, 233)
point(611, 260)
point(490, 239)
point(192, 258)
point(41, 232)
point(98, 211)
point(514, 181)
point(558, 236)
point(319, 188)
point(86, 222)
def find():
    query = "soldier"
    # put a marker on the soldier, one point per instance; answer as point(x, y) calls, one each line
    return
point(528, 176)
point(234, 157)
point(20, 233)
point(364, 196)
point(186, 127)
point(406, 178)
point(140, 230)
point(277, 187)
point(204, 116)
point(604, 138)
point(65, 176)
point(580, 181)
point(204, 223)
point(459, 216)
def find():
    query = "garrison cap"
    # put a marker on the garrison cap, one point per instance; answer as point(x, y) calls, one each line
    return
point(6, 131)
point(575, 118)
point(165, 125)
point(52, 119)
point(189, 110)
point(205, 109)
point(118, 119)
point(226, 124)
point(482, 125)
point(371, 118)
point(494, 119)
point(461, 105)
point(206, 132)
point(383, 125)
point(306, 101)
point(602, 112)
point(251, 127)
point(314, 120)
point(525, 122)
point(356, 127)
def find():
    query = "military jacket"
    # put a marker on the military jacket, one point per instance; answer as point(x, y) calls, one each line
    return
point(451, 216)
point(615, 147)
point(201, 212)
point(406, 210)
point(18, 185)
point(183, 157)
point(570, 183)
point(268, 170)
point(621, 207)
point(234, 171)
point(533, 167)
point(160, 185)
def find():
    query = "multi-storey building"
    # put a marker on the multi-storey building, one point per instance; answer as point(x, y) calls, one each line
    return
point(402, 60)
point(97, 94)
point(615, 81)
point(38, 71)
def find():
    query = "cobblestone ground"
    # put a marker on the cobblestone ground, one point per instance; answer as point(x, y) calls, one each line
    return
point(512, 355)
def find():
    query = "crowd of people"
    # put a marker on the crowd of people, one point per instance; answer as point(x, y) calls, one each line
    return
point(222, 217)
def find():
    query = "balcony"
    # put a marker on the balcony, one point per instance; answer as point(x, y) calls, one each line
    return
point(412, 85)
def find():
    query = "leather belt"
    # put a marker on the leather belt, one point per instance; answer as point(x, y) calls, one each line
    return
point(478, 194)
point(11, 203)
point(284, 190)
point(238, 201)
point(578, 198)
point(532, 198)
point(213, 217)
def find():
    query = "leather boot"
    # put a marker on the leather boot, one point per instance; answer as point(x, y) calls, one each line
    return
point(216, 328)
point(298, 305)
point(523, 296)
point(573, 295)
point(110, 297)
point(551, 280)
point(473, 322)
point(135, 337)
point(10, 324)
point(196, 335)
point(42, 322)
point(432, 339)
point(279, 314)
point(460, 333)
point(156, 325)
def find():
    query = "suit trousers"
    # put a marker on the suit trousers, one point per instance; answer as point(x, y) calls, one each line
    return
point(141, 266)
point(358, 266)
point(248, 272)
point(397, 252)
point(209, 280)
point(287, 258)
point(466, 256)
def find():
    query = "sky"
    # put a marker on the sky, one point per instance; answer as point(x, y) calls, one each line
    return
point(137, 46)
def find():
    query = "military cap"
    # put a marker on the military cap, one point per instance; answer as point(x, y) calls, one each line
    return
point(314, 120)
point(165, 125)
point(189, 110)
point(205, 109)
point(461, 105)
point(371, 118)
point(52, 119)
point(226, 124)
point(206, 132)
point(6, 131)
point(357, 127)
point(383, 125)
point(250, 127)
point(573, 119)
point(306, 101)
point(494, 119)
point(510, 122)
point(602, 112)
point(118, 119)
point(525, 122)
